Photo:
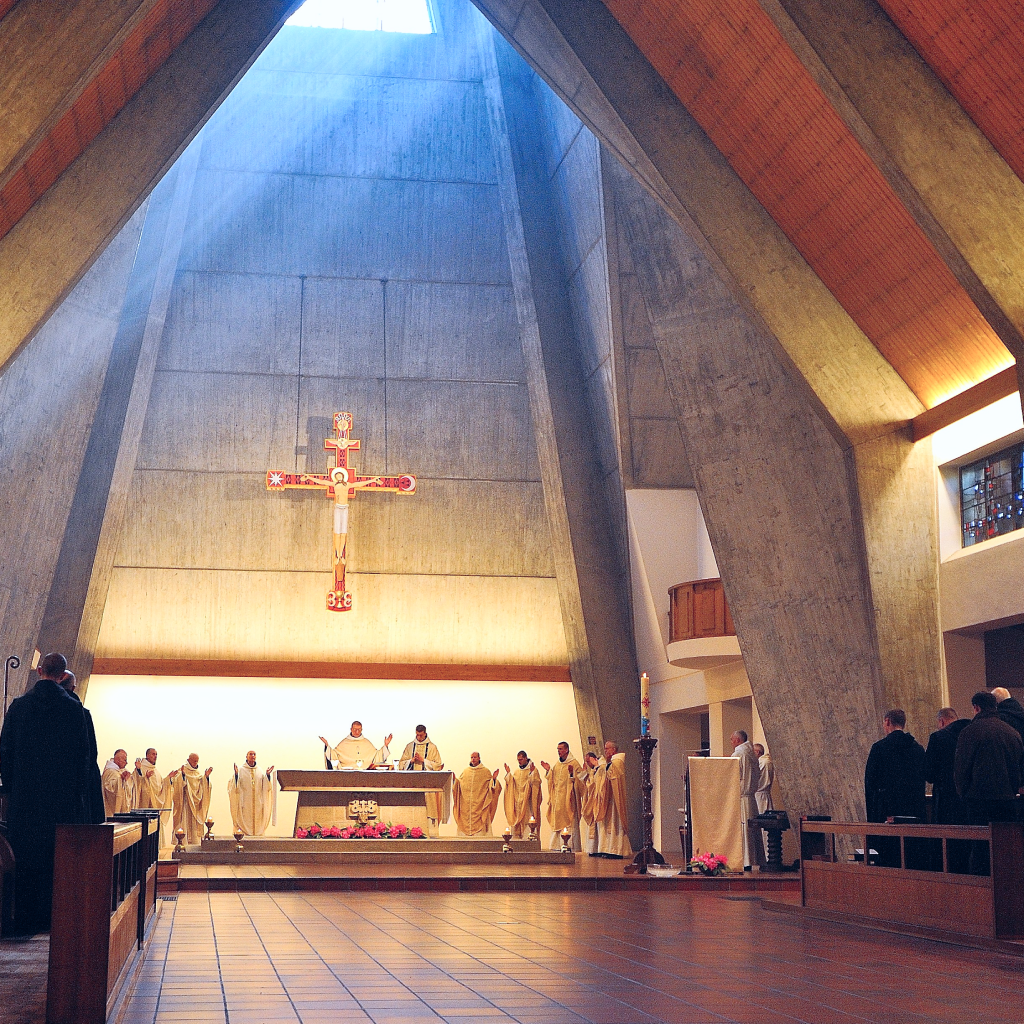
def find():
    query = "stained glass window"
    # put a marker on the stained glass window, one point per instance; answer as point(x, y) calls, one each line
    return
point(992, 495)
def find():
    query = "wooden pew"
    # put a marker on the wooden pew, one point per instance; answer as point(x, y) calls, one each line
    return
point(104, 901)
point(985, 906)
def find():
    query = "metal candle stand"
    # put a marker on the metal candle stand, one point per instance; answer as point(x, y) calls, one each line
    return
point(648, 855)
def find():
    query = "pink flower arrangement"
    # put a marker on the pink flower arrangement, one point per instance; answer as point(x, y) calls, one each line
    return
point(708, 863)
point(377, 830)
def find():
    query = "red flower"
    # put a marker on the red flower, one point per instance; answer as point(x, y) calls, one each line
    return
point(415, 832)
point(301, 833)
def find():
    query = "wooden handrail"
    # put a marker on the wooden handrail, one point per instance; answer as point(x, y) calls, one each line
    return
point(698, 609)
point(876, 828)
point(103, 902)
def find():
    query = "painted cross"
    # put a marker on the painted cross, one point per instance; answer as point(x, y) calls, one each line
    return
point(341, 483)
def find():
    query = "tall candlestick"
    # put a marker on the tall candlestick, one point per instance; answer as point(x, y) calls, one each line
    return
point(645, 704)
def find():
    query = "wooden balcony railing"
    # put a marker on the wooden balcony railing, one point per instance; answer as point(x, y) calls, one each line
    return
point(698, 609)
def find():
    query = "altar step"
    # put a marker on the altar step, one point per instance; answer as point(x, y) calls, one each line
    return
point(279, 851)
point(581, 874)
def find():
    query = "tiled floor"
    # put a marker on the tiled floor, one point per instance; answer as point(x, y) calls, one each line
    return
point(549, 958)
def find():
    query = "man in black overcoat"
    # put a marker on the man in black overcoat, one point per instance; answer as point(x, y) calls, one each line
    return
point(894, 782)
point(947, 807)
point(44, 763)
point(94, 798)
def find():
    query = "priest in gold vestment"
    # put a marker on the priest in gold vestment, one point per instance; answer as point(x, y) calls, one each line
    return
point(475, 798)
point(356, 751)
point(422, 755)
point(522, 796)
point(190, 794)
point(153, 791)
point(251, 797)
point(566, 793)
point(609, 807)
point(118, 787)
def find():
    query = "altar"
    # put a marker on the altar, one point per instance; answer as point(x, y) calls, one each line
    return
point(340, 796)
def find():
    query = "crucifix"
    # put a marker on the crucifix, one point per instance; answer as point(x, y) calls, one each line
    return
point(341, 483)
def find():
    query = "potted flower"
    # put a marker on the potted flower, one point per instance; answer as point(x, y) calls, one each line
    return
point(708, 864)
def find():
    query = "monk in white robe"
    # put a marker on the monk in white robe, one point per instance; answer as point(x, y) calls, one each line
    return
point(766, 781)
point(475, 797)
point(422, 755)
point(153, 790)
point(522, 796)
point(190, 793)
point(251, 797)
point(610, 814)
point(118, 787)
point(750, 777)
point(566, 792)
point(356, 751)
point(588, 823)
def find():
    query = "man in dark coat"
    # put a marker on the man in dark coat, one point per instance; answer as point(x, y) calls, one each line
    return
point(947, 807)
point(989, 771)
point(44, 763)
point(96, 812)
point(1009, 709)
point(894, 782)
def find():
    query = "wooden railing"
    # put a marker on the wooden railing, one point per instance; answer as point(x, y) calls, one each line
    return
point(927, 886)
point(698, 609)
point(104, 899)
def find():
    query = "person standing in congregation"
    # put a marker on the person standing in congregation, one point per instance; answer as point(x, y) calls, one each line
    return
point(45, 767)
point(750, 779)
point(566, 792)
point(153, 792)
point(522, 796)
point(190, 796)
point(118, 785)
point(609, 804)
point(97, 811)
point(251, 797)
point(475, 796)
point(421, 755)
point(988, 771)
point(356, 751)
point(763, 796)
point(894, 782)
point(947, 807)
point(1009, 710)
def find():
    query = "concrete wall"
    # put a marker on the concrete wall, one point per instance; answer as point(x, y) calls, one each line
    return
point(345, 251)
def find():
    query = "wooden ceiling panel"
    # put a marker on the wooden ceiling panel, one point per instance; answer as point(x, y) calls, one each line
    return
point(143, 51)
point(727, 63)
point(977, 50)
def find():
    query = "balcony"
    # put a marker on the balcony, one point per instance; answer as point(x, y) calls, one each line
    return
point(701, 634)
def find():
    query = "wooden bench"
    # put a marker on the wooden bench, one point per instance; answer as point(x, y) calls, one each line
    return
point(985, 906)
point(104, 902)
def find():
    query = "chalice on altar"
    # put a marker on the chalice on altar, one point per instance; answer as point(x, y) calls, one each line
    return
point(507, 836)
point(566, 835)
point(209, 830)
point(238, 840)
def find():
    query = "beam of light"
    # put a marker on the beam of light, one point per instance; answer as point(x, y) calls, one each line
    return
point(411, 16)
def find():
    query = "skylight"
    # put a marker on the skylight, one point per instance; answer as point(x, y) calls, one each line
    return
point(366, 15)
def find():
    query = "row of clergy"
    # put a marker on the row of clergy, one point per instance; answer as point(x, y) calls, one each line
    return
point(589, 799)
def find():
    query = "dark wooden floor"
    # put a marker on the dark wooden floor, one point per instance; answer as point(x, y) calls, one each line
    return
point(545, 958)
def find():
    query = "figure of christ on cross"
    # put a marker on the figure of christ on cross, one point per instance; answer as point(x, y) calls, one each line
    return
point(340, 483)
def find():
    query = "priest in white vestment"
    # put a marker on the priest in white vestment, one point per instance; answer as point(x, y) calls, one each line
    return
point(566, 792)
point(750, 777)
point(588, 823)
point(356, 751)
point(190, 792)
point(766, 781)
point(475, 797)
point(609, 806)
point(522, 796)
point(252, 797)
point(153, 791)
point(422, 755)
point(118, 787)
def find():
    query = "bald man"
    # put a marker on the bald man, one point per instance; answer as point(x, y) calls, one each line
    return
point(1009, 710)
point(118, 787)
